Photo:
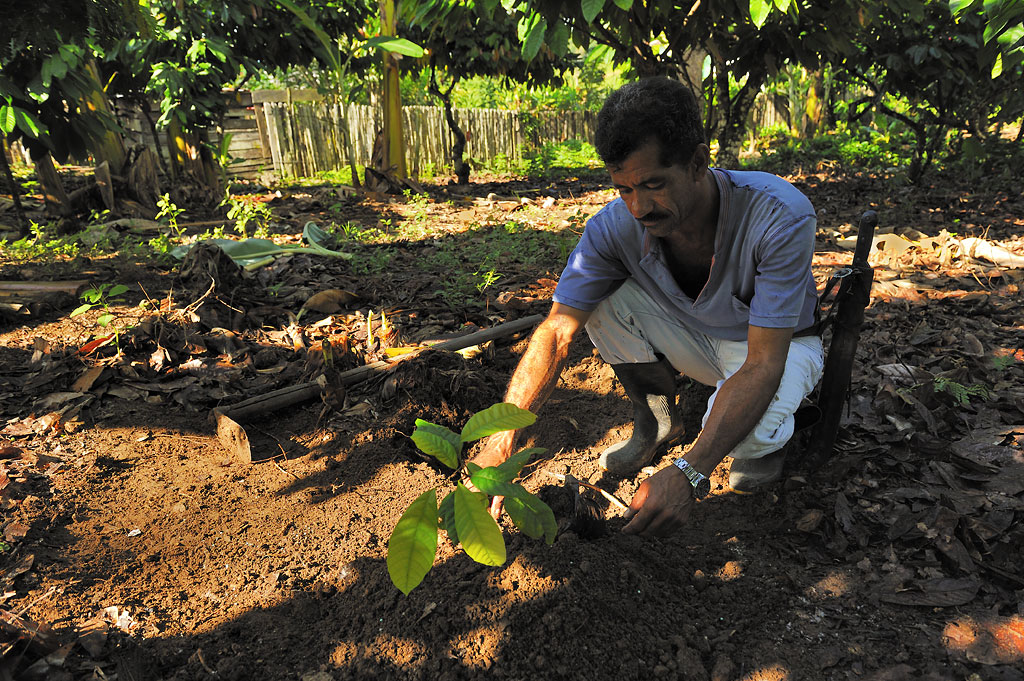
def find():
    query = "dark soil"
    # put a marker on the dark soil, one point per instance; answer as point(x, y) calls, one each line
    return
point(899, 559)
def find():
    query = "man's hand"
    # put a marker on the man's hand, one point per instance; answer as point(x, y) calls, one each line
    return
point(661, 505)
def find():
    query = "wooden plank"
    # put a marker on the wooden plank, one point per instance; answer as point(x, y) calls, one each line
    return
point(289, 95)
point(248, 123)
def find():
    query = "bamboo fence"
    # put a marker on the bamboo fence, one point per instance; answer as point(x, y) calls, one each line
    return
point(296, 133)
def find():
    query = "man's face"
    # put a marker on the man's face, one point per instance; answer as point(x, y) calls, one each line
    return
point(663, 199)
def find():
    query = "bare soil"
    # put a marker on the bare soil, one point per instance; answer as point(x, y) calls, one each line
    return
point(144, 551)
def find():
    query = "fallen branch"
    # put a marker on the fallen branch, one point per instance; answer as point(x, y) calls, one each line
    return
point(226, 418)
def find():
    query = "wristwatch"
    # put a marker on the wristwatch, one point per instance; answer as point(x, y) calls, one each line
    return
point(701, 485)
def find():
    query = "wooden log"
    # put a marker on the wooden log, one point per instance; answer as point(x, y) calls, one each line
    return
point(853, 296)
point(226, 419)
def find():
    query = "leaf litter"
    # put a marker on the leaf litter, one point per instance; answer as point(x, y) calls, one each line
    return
point(922, 503)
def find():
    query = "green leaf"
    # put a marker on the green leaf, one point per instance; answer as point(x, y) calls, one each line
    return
point(759, 11)
point(27, 123)
point(117, 290)
point(397, 45)
point(512, 465)
point(591, 8)
point(479, 534)
point(413, 543)
point(104, 320)
point(494, 419)
point(997, 67)
point(783, 5)
point(489, 480)
point(6, 119)
point(532, 516)
point(958, 6)
point(624, 5)
point(531, 32)
point(438, 442)
point(446, 514)
point(80, 309)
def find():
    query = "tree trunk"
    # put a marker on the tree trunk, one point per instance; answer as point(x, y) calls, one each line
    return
point(191, 159)
point(734, 113)
point(19, 210)
point(459, 164)
point(53, 188)
point(109, 146)
point(394, 144)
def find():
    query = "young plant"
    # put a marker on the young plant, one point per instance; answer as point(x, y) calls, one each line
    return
point(463, 512)
point(103, 296)
point(100, 296)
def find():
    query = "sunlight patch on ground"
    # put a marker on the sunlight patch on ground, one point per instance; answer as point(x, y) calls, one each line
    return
point(730, 571)
point(990, 640)
point(478, 648)
point(775, 672)
point(833, 585)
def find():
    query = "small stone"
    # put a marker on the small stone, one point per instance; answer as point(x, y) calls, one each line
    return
point(724, 669)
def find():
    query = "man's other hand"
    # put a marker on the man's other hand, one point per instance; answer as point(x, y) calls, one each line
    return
point(661, 505)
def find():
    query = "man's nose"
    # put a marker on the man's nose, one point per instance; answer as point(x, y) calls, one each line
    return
point(639, 204)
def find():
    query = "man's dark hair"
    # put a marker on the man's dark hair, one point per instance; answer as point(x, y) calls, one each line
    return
point(653, 108)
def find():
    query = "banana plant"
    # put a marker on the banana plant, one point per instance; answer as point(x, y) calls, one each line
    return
point(463, 514)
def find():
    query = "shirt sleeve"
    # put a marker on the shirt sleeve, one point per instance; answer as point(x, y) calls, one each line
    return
point(594, 269)
point(781, 283)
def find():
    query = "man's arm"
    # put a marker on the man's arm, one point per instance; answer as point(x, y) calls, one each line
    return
point(664, 501)
point(537, 374)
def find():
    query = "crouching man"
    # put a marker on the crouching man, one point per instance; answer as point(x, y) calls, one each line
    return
point(692, 270)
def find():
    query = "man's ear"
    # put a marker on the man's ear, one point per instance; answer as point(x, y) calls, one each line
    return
point(701, 159)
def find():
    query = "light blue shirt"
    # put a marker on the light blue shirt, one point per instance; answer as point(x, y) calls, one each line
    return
point(761, 271)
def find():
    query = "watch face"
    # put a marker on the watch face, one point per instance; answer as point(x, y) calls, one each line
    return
point(702, 488)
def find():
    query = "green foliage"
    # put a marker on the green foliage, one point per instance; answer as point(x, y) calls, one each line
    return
point(463, 513)
point(557, 160)
point(960, 393)
point(854, 148)
point(249, 210)
point(102, 296)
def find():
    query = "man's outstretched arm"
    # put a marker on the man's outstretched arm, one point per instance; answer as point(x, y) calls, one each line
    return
point(664, 501)
point(537, 374)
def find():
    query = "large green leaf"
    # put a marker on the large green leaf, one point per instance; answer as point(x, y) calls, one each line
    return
point(7, 119)
point(532, 516)
point(494, 419)
point(591, 8)
point(512, 465)
point(401, 46)
point(759, 11)
point(479, 534)
point(446, 514)
point(413, 543)
point(489, 480)
point(624, 5)
point(531, 31)
point(438, 442)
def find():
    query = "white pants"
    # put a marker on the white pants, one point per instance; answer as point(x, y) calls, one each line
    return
point(629, 327)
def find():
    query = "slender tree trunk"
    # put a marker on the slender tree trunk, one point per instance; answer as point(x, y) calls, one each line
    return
point(394, 145)
point(191, 159)
point(53, 188)
point(19, 210)
point(109, 146)
point(734, 111)
point(459, 164)
point(144, 108)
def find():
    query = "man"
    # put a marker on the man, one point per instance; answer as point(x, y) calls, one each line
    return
point(692, 270)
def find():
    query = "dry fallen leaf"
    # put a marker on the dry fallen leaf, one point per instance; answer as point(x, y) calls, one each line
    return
point(330, 301)
point(989, 641)
point(14, 531)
